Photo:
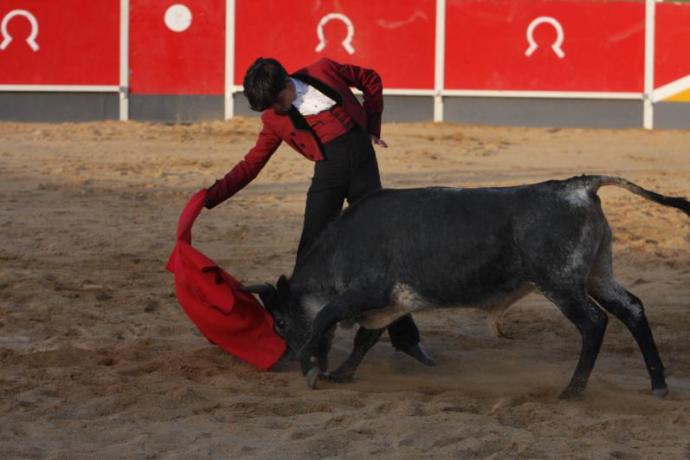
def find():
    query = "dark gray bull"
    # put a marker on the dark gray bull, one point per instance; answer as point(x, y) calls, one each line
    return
point(397, 251)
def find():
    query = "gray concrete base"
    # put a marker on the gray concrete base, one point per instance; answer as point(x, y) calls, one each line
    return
point(672, 115)
point(408, 108)
point(241, 106)
point(57, 107)
point(541, 112)
point(396, 108)
point(561, 113)
point(176, 108)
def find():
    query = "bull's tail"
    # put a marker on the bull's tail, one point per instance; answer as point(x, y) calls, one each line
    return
point(594, 182)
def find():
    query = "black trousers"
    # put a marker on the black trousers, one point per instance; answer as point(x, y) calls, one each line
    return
point(348, 172)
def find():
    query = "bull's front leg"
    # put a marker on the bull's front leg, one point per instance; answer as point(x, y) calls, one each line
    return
point(324, 348)
point(345, 307)
point(364, 340)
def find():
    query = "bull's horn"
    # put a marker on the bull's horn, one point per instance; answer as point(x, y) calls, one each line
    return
point(258, 288)
point(265, 290)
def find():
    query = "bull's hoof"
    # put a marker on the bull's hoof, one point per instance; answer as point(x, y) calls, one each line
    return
point(338, 378)
point(312, 376)
point(661, 392)
point(418, 353)
point(310, 368)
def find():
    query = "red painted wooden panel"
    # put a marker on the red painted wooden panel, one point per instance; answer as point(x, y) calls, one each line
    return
point(66, 42)
point(395, 38)
point(487, 45)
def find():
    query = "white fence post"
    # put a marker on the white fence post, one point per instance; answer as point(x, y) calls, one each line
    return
point(649, 44)
point(229, 58)
point(440, 58)
point(124, 60)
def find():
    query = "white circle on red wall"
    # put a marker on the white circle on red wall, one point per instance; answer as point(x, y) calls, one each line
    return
point(178, 18)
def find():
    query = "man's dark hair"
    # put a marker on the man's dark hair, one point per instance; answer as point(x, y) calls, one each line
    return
point(264, 80)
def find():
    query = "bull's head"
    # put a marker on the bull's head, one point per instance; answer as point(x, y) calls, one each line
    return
point(289, 320)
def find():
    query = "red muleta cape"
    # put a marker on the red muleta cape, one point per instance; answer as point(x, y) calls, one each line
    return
point(227, 316)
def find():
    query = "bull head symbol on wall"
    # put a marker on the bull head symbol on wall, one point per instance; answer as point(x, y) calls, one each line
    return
point(347, 43)
point(556, 46)
point(7, 38)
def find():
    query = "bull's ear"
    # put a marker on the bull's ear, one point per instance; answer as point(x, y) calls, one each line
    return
point(283, 287)
point(266, 292)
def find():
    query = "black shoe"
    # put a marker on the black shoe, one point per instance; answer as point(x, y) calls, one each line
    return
point(418, 353)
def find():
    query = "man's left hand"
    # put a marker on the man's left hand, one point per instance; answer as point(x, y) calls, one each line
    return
point(378, 141)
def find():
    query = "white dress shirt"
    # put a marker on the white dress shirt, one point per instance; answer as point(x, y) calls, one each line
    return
point(309, 100)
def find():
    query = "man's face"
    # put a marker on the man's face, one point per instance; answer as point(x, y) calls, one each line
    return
point(285, 98)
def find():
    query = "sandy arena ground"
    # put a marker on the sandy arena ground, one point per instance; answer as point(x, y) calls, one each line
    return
point(97, 360)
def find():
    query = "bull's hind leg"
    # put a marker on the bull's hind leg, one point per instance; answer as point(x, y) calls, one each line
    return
point(629, 309)
point(591, 321)
point(364, 340)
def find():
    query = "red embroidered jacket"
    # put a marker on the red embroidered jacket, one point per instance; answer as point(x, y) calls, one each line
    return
point(332, 79)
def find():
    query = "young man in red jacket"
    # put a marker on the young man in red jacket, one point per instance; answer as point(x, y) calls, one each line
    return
point(316, 113)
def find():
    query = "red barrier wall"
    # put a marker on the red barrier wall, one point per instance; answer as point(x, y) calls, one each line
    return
point(188, 58)
point(395, 38)
point(488, 44)
point(601, 45)
point(65, 42)
point(672, 59)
